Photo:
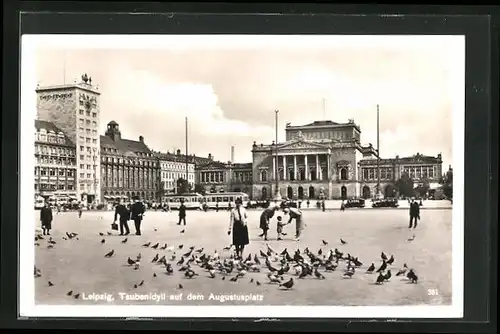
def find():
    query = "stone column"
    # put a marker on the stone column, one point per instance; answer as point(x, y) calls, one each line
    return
point(328, 177)
point(307, 168)
point(318, 169)
point(284, 167)
point(295, 167)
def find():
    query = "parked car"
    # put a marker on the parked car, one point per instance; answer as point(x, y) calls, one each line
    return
point(386, 203)
point(354, 203)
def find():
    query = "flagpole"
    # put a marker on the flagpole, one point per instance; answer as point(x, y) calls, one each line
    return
point(187, 158)
point(378, 151)
point(276, 171)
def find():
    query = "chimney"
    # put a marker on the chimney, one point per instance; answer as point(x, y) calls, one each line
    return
point(141, 139)
point(232, 154)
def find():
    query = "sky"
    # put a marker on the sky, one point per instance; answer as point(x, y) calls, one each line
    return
point(229, 87)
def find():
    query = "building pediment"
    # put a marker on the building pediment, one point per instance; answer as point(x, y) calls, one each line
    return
point(302, 145)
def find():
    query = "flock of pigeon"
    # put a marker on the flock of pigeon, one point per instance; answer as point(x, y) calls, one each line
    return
point(297, 264)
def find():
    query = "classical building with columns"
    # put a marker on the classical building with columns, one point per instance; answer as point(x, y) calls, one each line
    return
point(128, 167)
point(215, 176)
point(172, 168)
point(420, 168)
point(317, 160)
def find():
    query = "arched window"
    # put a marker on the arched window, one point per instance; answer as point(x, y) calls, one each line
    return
point(343, 174)
point(43, 135)
point(263, 175)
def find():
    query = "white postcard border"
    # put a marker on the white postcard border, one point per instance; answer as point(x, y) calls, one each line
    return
point(27, 307)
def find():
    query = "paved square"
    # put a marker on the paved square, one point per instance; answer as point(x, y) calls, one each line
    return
point(80, 266)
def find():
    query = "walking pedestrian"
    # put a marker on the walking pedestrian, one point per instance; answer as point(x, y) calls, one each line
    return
point(296, 214)
point(46, 219)
point(182, 213)
point(137, 213)
point(238, 226)
point(122, 211)
point(414, 214)
point(80, 209)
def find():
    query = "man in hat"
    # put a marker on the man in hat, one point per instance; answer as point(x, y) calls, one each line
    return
point(265, 218)
point(137, 213)
point(122, 211)
point(414, 214)
point(182, 212)
point(296, 214)
point(46, 218)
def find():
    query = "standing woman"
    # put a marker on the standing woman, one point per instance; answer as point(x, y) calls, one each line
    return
point(238, 224)
point(46, 219)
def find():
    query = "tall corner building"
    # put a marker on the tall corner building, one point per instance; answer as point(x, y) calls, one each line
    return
point(75, 109)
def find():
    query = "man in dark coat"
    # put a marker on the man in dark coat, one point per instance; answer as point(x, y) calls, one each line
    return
point(137, 212)
point(124, 214)
point(182, 213)
point(46, 219)
point(414, 214)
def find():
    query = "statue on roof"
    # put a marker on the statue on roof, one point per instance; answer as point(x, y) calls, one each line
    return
point(300, 136)
point(90, 80)
point(85, 78)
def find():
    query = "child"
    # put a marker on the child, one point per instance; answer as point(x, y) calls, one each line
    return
point(279, 227)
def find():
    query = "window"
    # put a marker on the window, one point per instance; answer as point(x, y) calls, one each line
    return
point(81, 121)
point(88, 175)
point(365, 173)
point(94, 141)
point(87, 131)
point(82, 157)
point(88, 166)
point(89, 150)
point(52, 172)
point(87, 140)
point(70, 173)
point(94, 123)
point(61, 172)
point(43, 172)
point(81, 103)
point(383, 173)
point(263, 176)
point(87, 122)
point(82, 166)
point(82, 175)
point(94, 114)
point(61, 187)
point(372, 174)
point(88, 113)
point(82, 148)
point(431, 173)
point(70, 187)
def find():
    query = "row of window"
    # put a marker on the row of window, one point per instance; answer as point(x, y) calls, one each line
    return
point(87, 113)
point(52, 172)
point(82, 166)
point(210, 177)
point(87, 140)
point(87, 122)
point(176, 176)
point(133, 182)
point(242, 176)
point(370, 174)
point(51, 150)
point(50, 137)
point(89, 175)
point(419, 171)
point(51, 186)
point(301, 175)
point(176, 166)
point(55, 161)
point(128, 161)
point(88, 132)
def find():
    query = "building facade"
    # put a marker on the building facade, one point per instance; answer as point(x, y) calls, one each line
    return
point(75, 109)
point(55, 162)
point(129, 168)
point(172, 168)
point(218, 177)
point(317, 160)
point(420, 168)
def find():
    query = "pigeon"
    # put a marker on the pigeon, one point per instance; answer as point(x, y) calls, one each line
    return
point(380, 278)
point(325, 243)
point(164, 247)
point(349, 273)
point(183, 231)
point(155, 246)
point(411, 238)
point(258, 283)
point(124, 240)
point(211, 273)
point(69, 293)
point(227, 248)
point(156, 230)
point(181, 261)
point(190, 273)
point(141, 283)
point(288, 284)
point(383, 256)
point(154, 274)
point(155, 258)
point(412, 276)
point(50, 283)
point(50, 246)
point(180, 286)
point(382, 267)
point(180, 246)
point(147, 244)
point(103, 241)
point(101, 234)
point(402, 271)
point(318, 274)
point(234, 279)
point(371, 268)
point(391, 260)
point(130, 261)
point(76, 296)
point(109, 233)
point(135, 286)
point(343, 242)
point(110, 254)
point(388, 275)
point(169, 269)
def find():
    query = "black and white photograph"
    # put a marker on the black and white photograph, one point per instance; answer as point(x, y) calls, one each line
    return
point(242, 176)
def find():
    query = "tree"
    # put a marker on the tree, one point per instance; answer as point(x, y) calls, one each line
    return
point(405, 185)
point(423, 188)
point(198, 188)
point(182, 186)
point(447, 182)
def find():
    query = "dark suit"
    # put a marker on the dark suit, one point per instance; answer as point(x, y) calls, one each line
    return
point(136, 212)
point(414, 214)
point(124, 214)
point(46, 218)
point(182, 214)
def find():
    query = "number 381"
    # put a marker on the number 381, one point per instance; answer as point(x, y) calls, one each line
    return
point(432, 292)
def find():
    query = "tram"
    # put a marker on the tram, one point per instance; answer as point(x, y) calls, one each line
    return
point(222, 200)
point(192, 201)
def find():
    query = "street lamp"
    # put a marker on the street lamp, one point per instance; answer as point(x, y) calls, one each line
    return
point(94, 157)
point(276, 173)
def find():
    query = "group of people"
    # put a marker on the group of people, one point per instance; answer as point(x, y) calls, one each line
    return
point(133, 212)
point(238, 224)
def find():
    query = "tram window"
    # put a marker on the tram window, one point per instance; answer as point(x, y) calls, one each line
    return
point(225, 199)
point(219, 199)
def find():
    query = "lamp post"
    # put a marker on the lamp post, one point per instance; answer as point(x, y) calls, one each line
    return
point(94, 158)
point(277, 192)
